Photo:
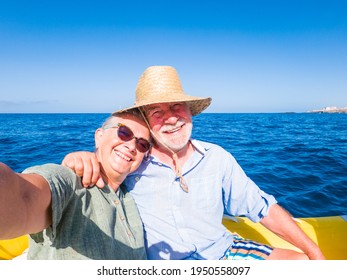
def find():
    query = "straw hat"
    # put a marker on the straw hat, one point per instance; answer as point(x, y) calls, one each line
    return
point(161, 84)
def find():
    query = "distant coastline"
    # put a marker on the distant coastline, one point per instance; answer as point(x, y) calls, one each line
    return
point(331, 109)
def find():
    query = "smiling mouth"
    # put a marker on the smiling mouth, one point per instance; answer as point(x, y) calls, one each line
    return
point(118, 153)
point(174, 130)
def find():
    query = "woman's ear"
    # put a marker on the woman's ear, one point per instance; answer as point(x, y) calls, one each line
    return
point(97, 136)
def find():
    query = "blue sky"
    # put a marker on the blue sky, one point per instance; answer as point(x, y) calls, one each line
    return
point(249, 56)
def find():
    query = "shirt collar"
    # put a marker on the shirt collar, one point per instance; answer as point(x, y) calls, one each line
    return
point(198, 147)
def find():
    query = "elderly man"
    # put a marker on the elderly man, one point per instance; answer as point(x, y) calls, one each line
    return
point(185, 186)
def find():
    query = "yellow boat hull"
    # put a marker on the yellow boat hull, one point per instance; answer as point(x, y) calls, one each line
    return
point(12, 248)
point(328, 232)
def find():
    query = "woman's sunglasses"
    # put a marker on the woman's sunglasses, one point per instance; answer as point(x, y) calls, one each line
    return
point(125, 134)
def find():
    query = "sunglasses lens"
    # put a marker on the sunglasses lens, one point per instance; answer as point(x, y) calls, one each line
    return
point(142, 145)
point(124, 133)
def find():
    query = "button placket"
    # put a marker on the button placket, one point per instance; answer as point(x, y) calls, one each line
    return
point(121, 215)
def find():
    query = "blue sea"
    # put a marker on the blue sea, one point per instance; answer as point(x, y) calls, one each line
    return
point(300, 158)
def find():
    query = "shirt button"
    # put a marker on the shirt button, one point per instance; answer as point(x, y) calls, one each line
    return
point(116, 202)
point(122, 218)
point(137, 179)
point(129, 233)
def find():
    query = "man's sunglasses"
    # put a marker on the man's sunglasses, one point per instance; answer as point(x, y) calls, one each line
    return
point(125, 134)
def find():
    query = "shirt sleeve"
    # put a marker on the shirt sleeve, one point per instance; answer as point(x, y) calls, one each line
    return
point(62, 182)
point(242, 197)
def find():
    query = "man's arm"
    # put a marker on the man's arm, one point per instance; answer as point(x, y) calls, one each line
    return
point(85, 165)
point(25, 201)
point(282, 224)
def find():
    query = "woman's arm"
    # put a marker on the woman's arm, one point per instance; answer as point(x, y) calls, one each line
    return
point(25, 201)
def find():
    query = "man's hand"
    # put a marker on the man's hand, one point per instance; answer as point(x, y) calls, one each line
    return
point(85, 165)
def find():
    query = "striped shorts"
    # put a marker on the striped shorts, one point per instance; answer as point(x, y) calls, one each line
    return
point(245, 249)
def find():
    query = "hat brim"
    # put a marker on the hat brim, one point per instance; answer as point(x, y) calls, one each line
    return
point(196, 104)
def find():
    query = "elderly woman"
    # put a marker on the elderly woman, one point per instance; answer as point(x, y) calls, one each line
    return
point(66, 220)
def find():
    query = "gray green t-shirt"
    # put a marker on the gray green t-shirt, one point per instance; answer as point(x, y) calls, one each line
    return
point(87, 223)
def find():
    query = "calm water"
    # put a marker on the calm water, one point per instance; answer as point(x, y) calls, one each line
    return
point(299, 158)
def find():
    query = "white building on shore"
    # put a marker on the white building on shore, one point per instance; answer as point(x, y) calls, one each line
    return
point(330, 109)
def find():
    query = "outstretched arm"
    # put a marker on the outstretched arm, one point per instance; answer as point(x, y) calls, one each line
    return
point(25, 201)
point(85, 165)
point(282, 224)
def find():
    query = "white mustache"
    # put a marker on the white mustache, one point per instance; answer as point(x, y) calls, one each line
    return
point(169, 127)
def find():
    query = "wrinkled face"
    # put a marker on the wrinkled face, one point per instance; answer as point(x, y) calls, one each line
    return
point(171, 123)
point(118, 156)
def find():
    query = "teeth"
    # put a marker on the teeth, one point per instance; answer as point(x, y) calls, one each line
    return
point(123, 156)
point(173, 130)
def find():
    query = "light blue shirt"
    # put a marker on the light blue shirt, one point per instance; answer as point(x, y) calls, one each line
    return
point(180, 225)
